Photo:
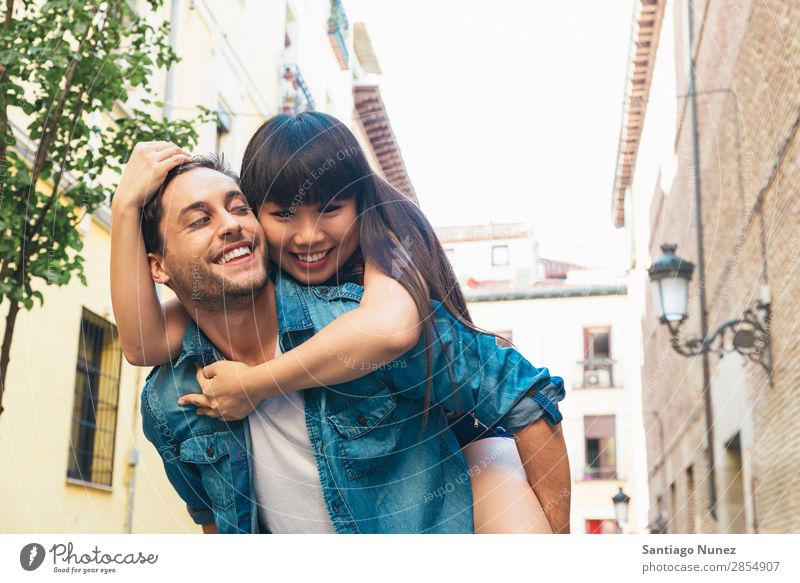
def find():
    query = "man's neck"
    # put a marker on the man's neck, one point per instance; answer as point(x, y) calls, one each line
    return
point(247, 334)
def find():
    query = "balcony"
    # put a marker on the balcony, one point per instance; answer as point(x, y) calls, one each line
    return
point(338, 27)
point(295, 96)
point(599, 473)
point(597, 373)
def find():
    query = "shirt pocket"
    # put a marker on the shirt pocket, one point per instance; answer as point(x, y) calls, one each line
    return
point(367, 430)
point(210, 453)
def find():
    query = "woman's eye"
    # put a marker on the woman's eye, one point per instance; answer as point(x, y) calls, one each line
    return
point(330, 208)
point(283, 214)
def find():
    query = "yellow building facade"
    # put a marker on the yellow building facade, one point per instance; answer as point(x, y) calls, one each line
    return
point(72, 454)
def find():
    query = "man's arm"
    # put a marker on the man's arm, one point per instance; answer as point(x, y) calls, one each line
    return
point(210, 528)
point(149, 333)
point(544, 455)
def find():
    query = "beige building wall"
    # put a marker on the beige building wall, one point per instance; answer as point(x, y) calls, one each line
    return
point(549, 332)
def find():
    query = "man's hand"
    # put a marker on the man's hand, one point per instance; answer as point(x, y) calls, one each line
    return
point(145, 172)
point(225, 395)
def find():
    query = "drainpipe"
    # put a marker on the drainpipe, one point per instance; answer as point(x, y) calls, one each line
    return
point(133, 457)
point(133, 461)
point(701, 269)
point(169, 90)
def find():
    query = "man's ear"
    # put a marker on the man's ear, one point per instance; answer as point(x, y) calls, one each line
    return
point(157, 268)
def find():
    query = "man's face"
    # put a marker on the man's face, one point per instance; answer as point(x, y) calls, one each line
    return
point(308, 241)
point(214, 249)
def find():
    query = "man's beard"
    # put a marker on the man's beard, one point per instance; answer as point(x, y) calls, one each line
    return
point(211, 292)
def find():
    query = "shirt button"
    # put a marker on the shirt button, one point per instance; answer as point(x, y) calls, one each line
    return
point(324, 290)
point(362, 421)
point(210, 452)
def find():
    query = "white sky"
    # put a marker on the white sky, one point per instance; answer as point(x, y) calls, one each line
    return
point(509, 111)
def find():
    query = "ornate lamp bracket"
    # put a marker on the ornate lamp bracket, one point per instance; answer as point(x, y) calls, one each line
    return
point(748, 335)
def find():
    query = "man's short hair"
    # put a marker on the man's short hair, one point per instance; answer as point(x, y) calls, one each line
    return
point(154, 210)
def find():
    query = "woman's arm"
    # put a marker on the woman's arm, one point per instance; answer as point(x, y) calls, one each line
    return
point(149, 332)
point(385, 326)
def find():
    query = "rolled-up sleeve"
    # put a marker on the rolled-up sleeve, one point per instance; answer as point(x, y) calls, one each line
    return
point(471, 373)
point(189, 485)
point(539, 402)
point(185, 478)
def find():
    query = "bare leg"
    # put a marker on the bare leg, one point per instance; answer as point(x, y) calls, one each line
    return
point(503, 500)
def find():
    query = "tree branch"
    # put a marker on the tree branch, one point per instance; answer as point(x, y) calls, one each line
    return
point(44, 147)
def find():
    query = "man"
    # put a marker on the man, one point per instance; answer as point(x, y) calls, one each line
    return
point(374, 463)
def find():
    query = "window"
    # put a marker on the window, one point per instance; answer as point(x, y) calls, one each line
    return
point(500, 255)
point(658, 524)
point(224, 123)
point(601, 526)
point(691, 527)
point(597, 362)
point(94, 412)
point(601, 444)
point(672, 525)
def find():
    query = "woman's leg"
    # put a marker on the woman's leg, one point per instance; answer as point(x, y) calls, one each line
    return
point(503, 500)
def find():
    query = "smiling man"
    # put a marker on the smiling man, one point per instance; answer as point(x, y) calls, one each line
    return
point(355, 457)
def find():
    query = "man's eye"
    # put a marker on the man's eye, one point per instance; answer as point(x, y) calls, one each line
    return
point(242, 209)
point(199, 222)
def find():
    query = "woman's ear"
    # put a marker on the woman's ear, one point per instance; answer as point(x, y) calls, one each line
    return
point(157, 270)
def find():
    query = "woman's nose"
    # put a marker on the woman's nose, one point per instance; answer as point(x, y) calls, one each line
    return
point(308, 234)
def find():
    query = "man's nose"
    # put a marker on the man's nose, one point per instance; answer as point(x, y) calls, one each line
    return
point(229, 226)
point(307, 233)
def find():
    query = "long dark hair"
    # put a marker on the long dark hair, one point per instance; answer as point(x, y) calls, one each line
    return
point(313, 158)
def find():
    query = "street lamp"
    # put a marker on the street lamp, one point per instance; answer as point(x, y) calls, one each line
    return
point(749, 335)
point(621, 501)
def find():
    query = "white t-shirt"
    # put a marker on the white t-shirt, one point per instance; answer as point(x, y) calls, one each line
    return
point(286, 481)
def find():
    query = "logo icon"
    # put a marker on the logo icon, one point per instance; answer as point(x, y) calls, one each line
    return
point(31, 556)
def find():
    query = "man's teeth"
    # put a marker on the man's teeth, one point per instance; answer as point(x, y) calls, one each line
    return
point(238, 252)
point(312, 258)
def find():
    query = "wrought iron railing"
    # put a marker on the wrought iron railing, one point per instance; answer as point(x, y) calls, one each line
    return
point(338, 26)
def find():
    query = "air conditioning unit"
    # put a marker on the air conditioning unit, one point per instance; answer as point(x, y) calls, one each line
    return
point(598, 378)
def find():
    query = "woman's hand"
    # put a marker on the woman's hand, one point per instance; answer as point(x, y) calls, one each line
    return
point(226, 393)
point(145, 172)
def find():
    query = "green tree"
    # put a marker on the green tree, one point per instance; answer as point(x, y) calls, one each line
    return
point(60, 62)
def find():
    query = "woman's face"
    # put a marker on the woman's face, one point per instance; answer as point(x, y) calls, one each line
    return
point(311, 242)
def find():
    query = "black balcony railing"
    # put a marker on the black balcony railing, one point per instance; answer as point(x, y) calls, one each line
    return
point(295, 96)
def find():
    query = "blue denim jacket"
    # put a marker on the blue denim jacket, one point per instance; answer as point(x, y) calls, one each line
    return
point(383, 468)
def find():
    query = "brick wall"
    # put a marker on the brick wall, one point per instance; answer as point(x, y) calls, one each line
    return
point(748, 82)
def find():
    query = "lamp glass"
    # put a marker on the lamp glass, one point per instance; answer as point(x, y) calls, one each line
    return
point(671, 296)
point(621, 511)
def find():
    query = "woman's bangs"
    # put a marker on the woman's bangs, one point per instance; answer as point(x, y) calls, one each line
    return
point(314, 173)
point(306, 158)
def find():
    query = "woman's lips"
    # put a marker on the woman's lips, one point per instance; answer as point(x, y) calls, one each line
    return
point(312, 264)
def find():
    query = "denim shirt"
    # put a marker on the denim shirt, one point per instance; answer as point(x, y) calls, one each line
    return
point(384, 467)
